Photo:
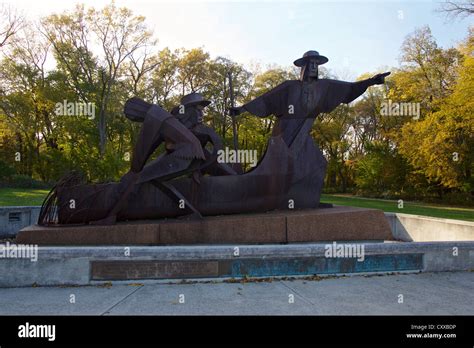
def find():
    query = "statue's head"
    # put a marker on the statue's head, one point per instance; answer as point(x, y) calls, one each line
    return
point(190, 110)
point(309, 65)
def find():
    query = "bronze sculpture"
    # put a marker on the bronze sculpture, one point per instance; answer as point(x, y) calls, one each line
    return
point(296, 104)
point(290, 173)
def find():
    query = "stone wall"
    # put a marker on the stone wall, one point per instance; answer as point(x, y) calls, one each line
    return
point(13, 219)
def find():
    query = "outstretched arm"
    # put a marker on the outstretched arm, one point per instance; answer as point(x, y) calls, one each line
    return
point(338, 92)
point(358, 88)
point(271, 103)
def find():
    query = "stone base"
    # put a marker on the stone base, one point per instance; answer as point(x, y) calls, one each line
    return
point(313, 225)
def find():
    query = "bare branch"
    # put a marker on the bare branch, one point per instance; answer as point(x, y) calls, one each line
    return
point(10, 23)
point(461, 9)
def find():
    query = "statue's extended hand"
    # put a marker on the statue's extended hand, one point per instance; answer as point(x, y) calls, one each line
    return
point(235, 111)
point(379, 79)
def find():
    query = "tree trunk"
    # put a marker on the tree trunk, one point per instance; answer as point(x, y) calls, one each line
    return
point(102, 137)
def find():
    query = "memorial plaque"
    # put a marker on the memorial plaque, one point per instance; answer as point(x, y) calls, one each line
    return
point(128, 270)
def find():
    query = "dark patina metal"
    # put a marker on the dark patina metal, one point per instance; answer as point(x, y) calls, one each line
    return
point(187, 180)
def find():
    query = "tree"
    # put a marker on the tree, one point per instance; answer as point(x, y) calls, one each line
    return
point(218, 91)
point(428, 73)
point(331, 132)
point(442, 145)
point(164, 78)
point(25, 101)
point(10, 23)
point(193, 70)
point(381, 171)
point(120, 36)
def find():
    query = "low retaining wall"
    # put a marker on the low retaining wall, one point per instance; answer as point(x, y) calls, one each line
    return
point(417, 228)
point(90, 265)
point(13, 219)
point(423, 244)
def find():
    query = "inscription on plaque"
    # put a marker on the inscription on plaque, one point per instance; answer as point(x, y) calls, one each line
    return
point(124, 270)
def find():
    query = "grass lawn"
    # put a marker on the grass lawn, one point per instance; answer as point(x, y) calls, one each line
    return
point(426, 209)
point(21, 197)
point(15, 196)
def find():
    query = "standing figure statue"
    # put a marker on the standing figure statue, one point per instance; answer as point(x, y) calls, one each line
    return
point(296, 104)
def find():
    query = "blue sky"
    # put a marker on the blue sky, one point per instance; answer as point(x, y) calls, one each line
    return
point(356, 36)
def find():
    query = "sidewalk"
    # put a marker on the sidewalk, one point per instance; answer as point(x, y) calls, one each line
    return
point(446, 293)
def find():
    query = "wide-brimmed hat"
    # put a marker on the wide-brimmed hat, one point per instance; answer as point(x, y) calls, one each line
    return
point(310, 55)
point(194, 99)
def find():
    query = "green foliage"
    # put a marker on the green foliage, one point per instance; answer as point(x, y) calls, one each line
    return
point(24, 181)
point(381, 170)
point(441, 146)
point(6, 171)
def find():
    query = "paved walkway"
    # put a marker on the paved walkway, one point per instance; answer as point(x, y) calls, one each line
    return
point(427, 293)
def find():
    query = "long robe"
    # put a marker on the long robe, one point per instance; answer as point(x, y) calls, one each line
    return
point(294, 101)
point(296, 104)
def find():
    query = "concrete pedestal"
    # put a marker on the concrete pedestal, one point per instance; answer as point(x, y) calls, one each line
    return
point(313, 225)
